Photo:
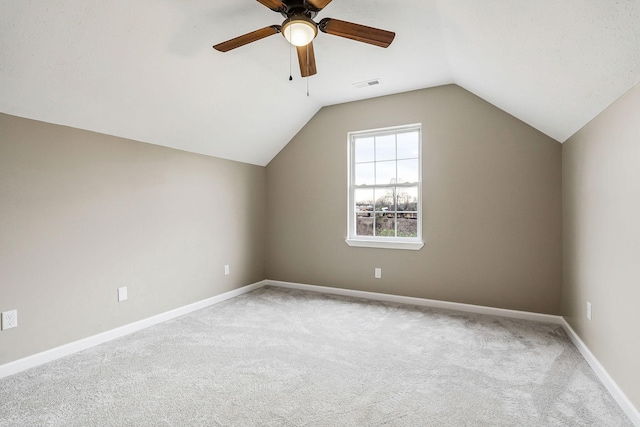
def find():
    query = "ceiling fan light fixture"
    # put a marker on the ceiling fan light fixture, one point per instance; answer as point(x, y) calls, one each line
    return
point(299, 30)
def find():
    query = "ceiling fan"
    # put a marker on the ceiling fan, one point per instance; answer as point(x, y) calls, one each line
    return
point(300, 29)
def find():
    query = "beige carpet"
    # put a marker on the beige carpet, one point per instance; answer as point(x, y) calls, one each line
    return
point(277, 357)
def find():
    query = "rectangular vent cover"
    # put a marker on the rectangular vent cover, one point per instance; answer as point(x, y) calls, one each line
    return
point(368, 83)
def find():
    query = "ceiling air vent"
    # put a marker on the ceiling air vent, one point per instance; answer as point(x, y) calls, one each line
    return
point(368, 83)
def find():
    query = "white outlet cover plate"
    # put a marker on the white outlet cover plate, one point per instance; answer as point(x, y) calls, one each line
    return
point(226, 270)
point(9, 319)
point(378, 273)
point(122, 294)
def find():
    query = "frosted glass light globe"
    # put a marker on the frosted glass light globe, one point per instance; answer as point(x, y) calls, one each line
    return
point(299, 31)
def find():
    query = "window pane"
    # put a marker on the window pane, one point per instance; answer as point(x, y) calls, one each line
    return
point(364, 199)
point(385, 147)
point(408, 145)
point(408, 221)
point(364, 150)
point(408, 199)
point(385, 199)
point(408, 171)
point(365, 174)
point(364, 224)
point(385, 225)
point(407, 224)
point(386, 172)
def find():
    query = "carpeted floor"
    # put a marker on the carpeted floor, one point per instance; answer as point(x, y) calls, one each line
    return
point(278, 357)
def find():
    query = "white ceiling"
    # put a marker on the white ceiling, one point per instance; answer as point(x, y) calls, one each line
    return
point(145, 69)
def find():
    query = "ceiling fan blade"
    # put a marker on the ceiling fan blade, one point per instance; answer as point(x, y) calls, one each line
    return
point(247, 38)
point(307, 60)
point(275, 5)
point(318, 5)
point(361, 33)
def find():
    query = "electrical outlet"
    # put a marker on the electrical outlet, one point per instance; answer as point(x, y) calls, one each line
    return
point(588, 310)
point(122, 294)
point(9, 319)
point(378, 273)
point(226, 270)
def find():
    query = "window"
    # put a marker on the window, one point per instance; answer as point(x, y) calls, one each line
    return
point(385, 169)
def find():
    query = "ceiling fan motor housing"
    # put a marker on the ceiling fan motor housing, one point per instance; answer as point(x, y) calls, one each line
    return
point(298, 7)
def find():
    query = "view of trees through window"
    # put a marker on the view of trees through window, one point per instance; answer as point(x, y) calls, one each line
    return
point(385, 183)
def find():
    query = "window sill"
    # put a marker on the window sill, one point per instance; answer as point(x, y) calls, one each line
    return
point(411, 246)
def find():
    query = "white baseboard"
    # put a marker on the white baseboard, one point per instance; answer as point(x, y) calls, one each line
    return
point(469, 308)
point(609, 383)
point(92, 341)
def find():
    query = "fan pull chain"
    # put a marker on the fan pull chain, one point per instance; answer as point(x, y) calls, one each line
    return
point(290, 72)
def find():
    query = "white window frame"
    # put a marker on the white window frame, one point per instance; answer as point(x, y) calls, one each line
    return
point(383, 242)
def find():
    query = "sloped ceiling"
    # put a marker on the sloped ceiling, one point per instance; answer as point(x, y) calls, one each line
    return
point(145, 70)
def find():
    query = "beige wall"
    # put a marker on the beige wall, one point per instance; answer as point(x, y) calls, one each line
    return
point(83, 214)
point(601, 226)
point(492, 205)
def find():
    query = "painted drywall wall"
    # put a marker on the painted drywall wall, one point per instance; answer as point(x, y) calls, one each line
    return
point(601, 228)
point(491, 205)
point(83, 214)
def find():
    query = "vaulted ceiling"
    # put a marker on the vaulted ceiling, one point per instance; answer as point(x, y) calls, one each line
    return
point(145, 69)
